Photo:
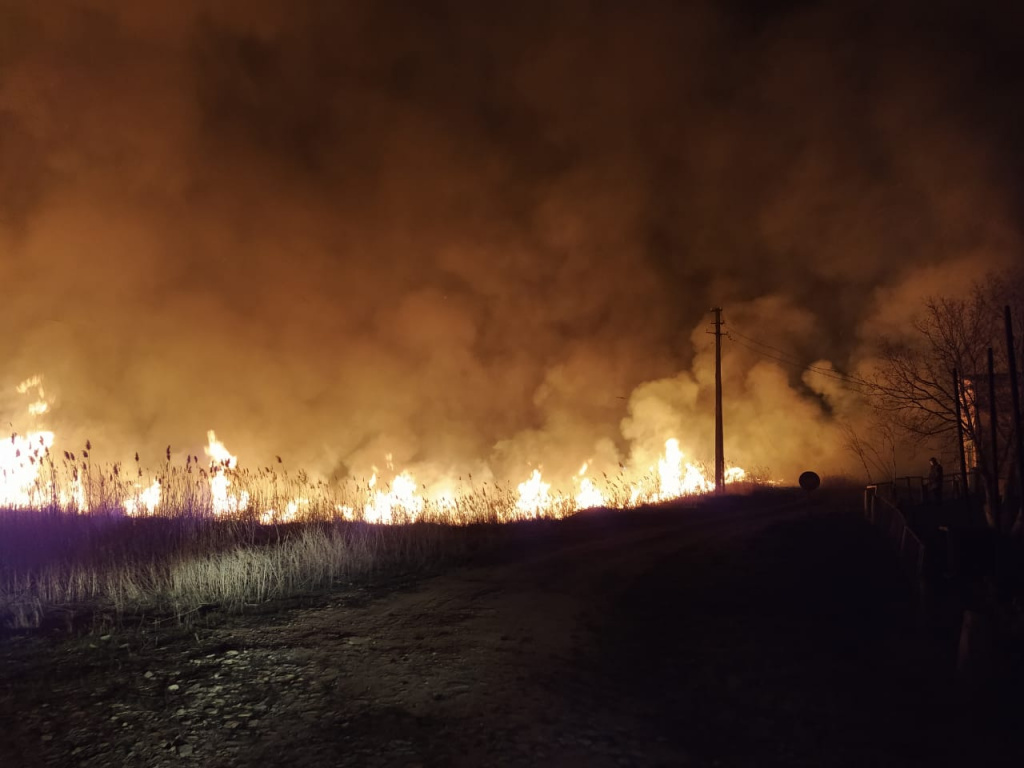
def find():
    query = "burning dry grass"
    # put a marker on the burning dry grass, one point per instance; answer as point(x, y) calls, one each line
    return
point(33, 475)
point(80, 540)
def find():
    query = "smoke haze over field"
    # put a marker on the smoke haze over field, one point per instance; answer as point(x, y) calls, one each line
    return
point(484, 236)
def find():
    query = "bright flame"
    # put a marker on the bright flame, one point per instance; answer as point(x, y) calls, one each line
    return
point(290, 514)
point(534, 496)
point(75, 498)
point(21, 459)
point(588, 497)
point(145, 502)
point(446, 501)
point(33, 382)
point(30, 478)
point(224, 502)
point(401, 502)
point(735, 475)
point(678, 478)
point(40, 406)
point(635, 493)
point(218, 453)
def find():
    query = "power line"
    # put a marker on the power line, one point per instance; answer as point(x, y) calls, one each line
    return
point(859, 384)
point(825, 373)
point(759, 342)
point(793, 361)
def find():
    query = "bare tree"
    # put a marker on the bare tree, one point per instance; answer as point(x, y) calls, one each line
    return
point(875, 447)
point(914, 384)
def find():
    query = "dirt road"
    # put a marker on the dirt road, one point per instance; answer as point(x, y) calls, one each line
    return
point(755, 631)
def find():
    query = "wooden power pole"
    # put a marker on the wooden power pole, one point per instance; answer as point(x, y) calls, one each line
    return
point(957, 397)
point(993, 420)
point(719, 442)
point(1011, 357)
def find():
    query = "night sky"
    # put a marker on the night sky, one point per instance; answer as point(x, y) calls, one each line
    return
point(484, 237)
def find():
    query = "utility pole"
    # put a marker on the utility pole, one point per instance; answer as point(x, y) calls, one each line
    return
point(994, 501)
point(957, 395)
point(719, 442)
point(1011, 356)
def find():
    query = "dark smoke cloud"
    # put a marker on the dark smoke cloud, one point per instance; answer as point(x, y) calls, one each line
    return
point(479, 236)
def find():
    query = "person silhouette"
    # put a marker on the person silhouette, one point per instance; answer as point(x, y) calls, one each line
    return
point(934, 485)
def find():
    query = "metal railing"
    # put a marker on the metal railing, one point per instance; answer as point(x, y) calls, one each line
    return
point(914, 489)
point(881, 508)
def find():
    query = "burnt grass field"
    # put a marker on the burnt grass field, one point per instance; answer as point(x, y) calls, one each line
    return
point(775, 628)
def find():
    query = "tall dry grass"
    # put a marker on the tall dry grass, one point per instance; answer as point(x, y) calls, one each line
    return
point(77, 551)
point(56, 566)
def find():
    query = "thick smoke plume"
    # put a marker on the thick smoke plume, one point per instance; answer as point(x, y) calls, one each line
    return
point(483, 237)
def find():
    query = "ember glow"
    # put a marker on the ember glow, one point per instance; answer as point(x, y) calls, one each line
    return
point(33, 477)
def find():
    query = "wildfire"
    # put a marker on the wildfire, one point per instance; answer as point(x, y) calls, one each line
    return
point(400, 502)
point(145, 501)
point(29, 478)
point(678, 478)
point(221, 462)
point(291, 512)
point(21, 459)
point(40, 405)
point(218, 453)
point(587, 497)
point(735, 475)
point(534, 496)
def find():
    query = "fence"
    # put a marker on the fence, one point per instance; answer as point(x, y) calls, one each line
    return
point(882, 509)
point(914, 489)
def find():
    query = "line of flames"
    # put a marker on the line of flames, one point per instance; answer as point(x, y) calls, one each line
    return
point(24, 485)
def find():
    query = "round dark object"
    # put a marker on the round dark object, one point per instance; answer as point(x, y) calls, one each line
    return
point(809, 481)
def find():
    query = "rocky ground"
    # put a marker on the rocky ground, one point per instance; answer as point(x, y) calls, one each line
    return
point(767, 630)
